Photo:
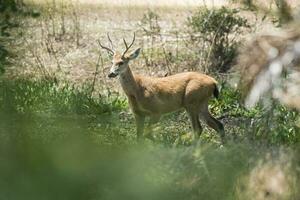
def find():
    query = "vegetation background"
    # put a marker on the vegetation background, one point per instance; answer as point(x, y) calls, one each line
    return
point(66, 131)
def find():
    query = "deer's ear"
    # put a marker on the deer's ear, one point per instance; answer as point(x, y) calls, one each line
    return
point(134, 54)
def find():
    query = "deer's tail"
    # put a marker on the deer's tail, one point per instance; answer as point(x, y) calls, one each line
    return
point(216, 92)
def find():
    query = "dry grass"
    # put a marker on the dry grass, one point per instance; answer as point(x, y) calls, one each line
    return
point(146, 3)
point(163, 4)
point(62, 42)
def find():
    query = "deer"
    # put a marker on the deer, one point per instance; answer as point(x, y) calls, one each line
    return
point(151, 97)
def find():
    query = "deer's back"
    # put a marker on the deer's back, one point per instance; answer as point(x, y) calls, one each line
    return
point(176, 83)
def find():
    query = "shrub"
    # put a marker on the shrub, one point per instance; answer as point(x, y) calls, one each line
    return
point(275, 125)
point(216, 30)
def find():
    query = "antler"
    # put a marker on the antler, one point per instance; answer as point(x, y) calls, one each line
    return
point(128, 47)
point(111, 44)
point(107, 48)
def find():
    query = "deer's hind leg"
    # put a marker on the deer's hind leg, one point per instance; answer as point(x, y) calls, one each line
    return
point(212, 122)
point(196, 125)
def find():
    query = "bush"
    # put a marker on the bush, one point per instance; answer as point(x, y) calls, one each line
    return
point(216, 30)
point(13, 5)
point(274, 124)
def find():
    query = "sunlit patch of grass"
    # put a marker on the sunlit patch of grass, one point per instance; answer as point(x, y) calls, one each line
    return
point(49, 110)
point(48, 96)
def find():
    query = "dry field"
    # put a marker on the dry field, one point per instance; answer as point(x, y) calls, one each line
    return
point(63, 40)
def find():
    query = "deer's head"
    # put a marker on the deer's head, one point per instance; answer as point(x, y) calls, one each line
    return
point(120, 60)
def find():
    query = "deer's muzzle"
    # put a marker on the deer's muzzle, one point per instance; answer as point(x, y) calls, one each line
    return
point(112, 75)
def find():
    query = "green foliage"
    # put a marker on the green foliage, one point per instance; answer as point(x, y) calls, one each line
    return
point(3, 54)
point(12, 5)
point(5, 25)
point(48, 96)
point(273, 125)
point(87, 156)
point(249, 4)
point(276, 126)
point(217, 22)
point(59, 160)
point(10, 11)
point(284, 12)
point(217, 29)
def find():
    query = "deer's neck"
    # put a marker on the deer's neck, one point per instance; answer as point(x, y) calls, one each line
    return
point(128, 83)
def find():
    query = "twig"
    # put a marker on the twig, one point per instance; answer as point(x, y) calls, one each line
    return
point(96, 73)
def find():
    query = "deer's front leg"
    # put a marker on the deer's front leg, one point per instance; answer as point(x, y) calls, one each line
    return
point(153, 120)
point(140, 120)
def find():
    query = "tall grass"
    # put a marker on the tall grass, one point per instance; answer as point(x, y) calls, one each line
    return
point(56, 158)
point(49, 96)
point(50, 151)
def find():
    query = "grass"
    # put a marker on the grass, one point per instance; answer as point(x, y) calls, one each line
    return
point(55, 143)
point(48, 96)
point(147, 4)
point(110, 113)
point(62, 40)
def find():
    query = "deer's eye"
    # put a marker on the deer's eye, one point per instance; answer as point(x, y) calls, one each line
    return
point(121, 63)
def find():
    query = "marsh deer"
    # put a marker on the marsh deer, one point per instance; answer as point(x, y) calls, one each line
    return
point(152, 97)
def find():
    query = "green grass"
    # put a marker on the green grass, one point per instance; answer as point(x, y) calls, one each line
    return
point(48, 96)
point(59, 141)
point(52, 100)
